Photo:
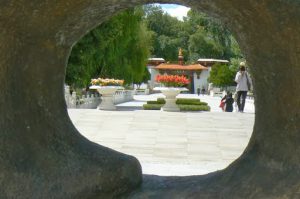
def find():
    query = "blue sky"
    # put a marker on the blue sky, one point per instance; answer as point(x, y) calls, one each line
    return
point(169, 6)
point(175, 10)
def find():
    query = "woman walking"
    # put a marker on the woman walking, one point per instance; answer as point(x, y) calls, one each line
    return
point(244, 83)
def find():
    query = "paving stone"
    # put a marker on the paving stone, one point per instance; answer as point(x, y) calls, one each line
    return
point(172, 143)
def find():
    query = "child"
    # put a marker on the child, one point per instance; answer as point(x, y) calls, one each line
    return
point(229, 103)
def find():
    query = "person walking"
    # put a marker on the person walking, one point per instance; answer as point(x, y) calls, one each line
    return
point(198, 91)
point(244, 83)
point(203, 90)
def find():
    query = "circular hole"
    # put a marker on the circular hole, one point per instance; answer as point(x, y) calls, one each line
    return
point(184, 143)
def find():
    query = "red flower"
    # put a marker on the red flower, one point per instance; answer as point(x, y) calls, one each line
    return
point(172, 80)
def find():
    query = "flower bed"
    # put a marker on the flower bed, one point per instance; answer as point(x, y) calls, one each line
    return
point(107, 82)
point(172, 80)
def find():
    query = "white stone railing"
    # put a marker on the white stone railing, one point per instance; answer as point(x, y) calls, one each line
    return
point(250, 95)
point(214, 93)
point(88, 102)
point(122, 96)
point(142, 92)
point(84, 102)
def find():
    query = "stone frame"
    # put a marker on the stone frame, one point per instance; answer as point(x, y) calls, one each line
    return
point(42, 155)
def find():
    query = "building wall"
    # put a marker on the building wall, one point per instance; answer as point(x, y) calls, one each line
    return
point(202, 81)
point(153, 73)
point(198, 83)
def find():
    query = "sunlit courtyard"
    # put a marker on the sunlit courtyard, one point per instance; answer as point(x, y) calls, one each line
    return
point(170, 143)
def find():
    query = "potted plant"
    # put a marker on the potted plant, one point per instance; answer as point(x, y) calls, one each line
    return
point(107, 88)
point(173, 85)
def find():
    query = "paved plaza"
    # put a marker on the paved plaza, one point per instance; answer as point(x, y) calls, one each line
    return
point(170, 143)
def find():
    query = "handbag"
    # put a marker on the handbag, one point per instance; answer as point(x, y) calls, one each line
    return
point(222, 105)
point(248, 82)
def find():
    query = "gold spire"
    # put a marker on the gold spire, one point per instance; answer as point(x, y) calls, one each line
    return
point(180, 57)
point(180, 52)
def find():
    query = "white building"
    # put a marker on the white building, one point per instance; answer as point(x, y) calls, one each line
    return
point(152, 63)
point(197, 73)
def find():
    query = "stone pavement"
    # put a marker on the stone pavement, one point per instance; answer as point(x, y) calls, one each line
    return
point(168, 143)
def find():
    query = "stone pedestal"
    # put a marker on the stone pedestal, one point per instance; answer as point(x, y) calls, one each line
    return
point(170, 94)
point(107, 97)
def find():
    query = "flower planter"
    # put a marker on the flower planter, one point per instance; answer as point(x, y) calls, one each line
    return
point(170, 93)
point(107, 94)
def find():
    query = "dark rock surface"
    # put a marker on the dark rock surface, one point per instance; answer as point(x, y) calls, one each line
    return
point(43, 156)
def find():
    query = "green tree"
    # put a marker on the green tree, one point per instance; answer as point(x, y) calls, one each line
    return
point(199, 35)
point(209, 38)
point(200, 45)
point(221, 75)
point(169, 33)
point(143, 79)
point(118, 48)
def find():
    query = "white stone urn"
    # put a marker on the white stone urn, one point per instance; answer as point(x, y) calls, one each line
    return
point(107, 96)
point(170, 93)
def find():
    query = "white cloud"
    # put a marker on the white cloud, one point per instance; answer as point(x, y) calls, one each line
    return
point(176, 10)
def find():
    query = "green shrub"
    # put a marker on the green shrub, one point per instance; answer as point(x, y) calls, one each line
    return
point(193, 107)
point(161, 100)
point(203, 104)
point(187, 101)
point(152, 106)
point(185, 104)
point(154, 102)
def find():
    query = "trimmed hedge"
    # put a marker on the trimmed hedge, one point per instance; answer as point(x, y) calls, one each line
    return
point(181, 106)
point(154, 102)
point(152, 106)
point(161, 100)
point(193, 107)
point(185, 104)
point(187, 101)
